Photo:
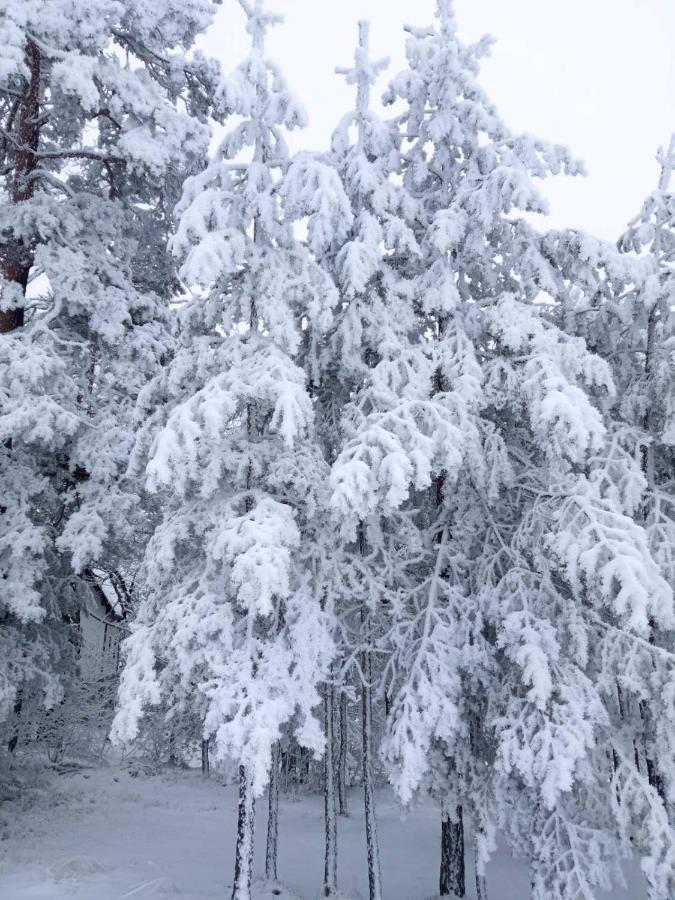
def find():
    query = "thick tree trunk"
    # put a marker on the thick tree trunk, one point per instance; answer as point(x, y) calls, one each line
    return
point(374, 877)
point(272, 854)
point(648, 465)
point(342, 756)
point(243, 858)
point(452, 882)
point(330, 815)
point(24, 122)
point(206, 766)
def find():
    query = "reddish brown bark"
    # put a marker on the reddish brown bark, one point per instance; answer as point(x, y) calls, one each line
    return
point(16, 259)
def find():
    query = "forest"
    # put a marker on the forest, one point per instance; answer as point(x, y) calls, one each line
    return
point(337, 490)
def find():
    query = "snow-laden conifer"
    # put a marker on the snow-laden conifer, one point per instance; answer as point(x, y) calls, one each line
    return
point(234, 610)
point(100, 112)
point(488, 428)
point(367, 252)
point(619, 299)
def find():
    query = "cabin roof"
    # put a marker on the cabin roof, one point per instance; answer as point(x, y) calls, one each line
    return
point(108, 592)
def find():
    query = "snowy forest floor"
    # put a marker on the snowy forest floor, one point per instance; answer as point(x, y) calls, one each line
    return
point(102, 834)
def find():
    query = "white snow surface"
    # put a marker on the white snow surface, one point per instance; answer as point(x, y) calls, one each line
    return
point(102, 834)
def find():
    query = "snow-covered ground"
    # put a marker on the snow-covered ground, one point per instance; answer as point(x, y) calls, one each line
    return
point(105, 835)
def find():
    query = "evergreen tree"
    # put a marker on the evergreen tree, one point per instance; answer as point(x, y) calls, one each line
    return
point(367, 260)
point(234, 607)
point(100, 108)
point(490, 438)
point(620, 303)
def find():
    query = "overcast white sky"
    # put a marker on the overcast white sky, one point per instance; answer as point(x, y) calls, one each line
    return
point(598, 75)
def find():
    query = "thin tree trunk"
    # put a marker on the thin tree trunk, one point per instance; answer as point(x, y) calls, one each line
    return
point(243, 858)
point(173, 758)
point(272, 854)
point(374, 877)
point(206, 766)
point(481, 887)
point(342, 757)
point(452, 882)
point(481, 882)
point(330, 816)
point(14, 740)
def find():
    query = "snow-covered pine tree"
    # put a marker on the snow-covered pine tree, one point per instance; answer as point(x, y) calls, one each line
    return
point(234, 608)
point(100, 110)
point(619, 299)
point(644, 363)
point(526, 560)
point(366, 261)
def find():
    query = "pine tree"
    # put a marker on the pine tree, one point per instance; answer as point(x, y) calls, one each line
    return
point(99, 109)
point(620, 303)
point(234, 607)
point(488, 434)
point(371, 284)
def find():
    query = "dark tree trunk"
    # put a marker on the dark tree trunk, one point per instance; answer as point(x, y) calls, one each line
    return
point(452, 882)
point(481, 887)
point(14, 740)
point(272, 854)
point(173, 756)
point(243, 858)
point(648, 464)
point(330, 815)
point(24, 122)
point(342, 756)
point(206, 766)
point(481, 882)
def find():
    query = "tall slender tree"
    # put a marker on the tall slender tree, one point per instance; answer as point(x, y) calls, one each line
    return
point(368, 263)
point(233, 606)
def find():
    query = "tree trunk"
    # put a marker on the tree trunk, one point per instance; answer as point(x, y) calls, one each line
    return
point(206, 766)
point(271, 854)
point(24, 122)
point(173, 757)
point(243, 858)
point(342, 757)
point(481, 887)
point(330, 816)
point(481, 882)
point(14, 740)
point(374, 877)
point(452, 882)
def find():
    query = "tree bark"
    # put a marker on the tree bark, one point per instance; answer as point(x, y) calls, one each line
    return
point(206, 766)
point(374, 877)
point(481, 887)
point(330, 815)
point(16, 257)
point(271, 855)
point(342, 756)
point(452, 882)
point(14, 740)
point(481, 881)
point(173, 756)
point(243, 858)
